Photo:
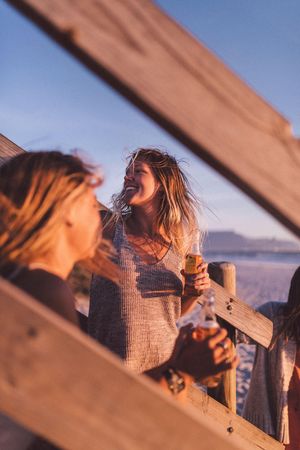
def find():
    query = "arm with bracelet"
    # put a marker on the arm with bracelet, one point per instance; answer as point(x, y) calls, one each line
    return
point(193, 360)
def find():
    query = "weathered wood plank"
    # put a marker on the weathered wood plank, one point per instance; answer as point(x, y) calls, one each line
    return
point(8, 148)
point(224, 273)
point(230, 422)
point(63, 385)
point(242, 316)
point(174, 79)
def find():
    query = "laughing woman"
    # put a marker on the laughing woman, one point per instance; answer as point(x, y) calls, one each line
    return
point(151, 228)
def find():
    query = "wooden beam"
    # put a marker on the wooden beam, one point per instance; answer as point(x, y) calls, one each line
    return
point(242, 316)
point(231, 423)
point(64, 386)
point(8, 149)
point(164, 71)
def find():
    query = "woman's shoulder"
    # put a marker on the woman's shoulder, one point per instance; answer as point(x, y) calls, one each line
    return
point(49, 289)
point(271, 309)
point(36, 278)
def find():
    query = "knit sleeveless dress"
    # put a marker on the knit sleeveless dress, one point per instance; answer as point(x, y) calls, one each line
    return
point(137, 320)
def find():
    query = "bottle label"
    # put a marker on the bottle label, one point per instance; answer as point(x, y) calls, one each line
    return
point(206, 330)
point(192, 262)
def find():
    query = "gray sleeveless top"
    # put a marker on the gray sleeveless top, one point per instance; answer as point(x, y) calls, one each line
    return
point(137, 320)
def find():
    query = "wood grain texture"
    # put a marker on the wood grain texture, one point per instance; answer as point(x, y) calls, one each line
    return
point(174, 79)
point(224, 273)
point(229, 422)
point(63, 385)
point(8, 149)
point(242, 316)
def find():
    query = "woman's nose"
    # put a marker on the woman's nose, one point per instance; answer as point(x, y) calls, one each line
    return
point(128, 176)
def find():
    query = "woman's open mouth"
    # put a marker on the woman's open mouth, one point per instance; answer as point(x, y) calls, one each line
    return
point(130, 188)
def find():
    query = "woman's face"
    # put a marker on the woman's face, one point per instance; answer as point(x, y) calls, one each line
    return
point(86, 230)
point(140, 184)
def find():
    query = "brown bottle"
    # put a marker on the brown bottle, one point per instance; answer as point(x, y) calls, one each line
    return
point(208, 326)
point(192, 260)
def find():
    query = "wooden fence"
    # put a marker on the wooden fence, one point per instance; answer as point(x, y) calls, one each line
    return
point(174, 79)
point(61, 384)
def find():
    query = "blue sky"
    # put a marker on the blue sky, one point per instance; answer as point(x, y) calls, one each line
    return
point(48, 100)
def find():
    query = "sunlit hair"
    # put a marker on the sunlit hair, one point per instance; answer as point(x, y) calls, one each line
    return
point(178, 205)
point(35, 188)
point(290, 316)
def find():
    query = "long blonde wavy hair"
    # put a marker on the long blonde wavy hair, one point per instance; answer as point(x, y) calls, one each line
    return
point(178, 205)
point(34, 189)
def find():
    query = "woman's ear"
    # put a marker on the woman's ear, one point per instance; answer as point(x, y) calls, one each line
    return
point(70, 214)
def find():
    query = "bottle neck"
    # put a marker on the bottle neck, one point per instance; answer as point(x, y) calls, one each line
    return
point(208, 318)
point(195, 248)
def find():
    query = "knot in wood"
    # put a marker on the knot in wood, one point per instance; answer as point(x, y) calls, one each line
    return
point(32, 332)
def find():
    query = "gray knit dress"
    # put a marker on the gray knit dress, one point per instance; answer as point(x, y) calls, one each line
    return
point(137, 320)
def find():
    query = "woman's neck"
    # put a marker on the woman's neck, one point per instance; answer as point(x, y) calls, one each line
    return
point(142, 222)
point(50, 266)
point(59, 261)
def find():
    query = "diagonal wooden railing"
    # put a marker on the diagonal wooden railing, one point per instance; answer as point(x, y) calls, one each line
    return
point(61, 384)
point(257, 326)
point(8, 149)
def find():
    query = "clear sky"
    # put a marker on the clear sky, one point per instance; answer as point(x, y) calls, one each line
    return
point(48, 100)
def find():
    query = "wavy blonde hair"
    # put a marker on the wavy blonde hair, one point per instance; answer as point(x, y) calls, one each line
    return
point(34, 188)
point(178, 205)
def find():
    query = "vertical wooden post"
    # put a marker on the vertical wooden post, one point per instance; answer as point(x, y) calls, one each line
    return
point(224, 274)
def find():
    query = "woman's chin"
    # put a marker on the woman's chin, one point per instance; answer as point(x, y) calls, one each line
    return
point(88, 254)
point(130, 197)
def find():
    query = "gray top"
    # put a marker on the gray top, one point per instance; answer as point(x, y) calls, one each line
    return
point(266, 405)
point(137, 320)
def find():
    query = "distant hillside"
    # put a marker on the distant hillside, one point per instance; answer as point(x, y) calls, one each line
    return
point(229, 241)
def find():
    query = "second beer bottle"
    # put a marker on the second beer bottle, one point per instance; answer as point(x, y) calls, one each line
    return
point(207, 326)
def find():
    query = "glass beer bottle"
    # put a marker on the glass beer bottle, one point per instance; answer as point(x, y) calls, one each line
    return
point(208, 326)
point(192, 260)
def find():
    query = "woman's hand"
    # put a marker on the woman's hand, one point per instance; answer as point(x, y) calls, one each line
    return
point(194, 284)
point(204, 358)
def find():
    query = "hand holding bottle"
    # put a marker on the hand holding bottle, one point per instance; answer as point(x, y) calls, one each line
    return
point(196, 278)
point(202, 359)
point(208, 326)
point(196, 283)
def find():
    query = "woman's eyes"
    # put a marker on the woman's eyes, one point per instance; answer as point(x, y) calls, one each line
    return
point(136, 171)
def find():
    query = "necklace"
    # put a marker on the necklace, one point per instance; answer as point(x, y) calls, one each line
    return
point(155, 245)
point(142, 240)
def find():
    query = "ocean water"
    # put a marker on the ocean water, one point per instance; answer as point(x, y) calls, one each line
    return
point(255, 257)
